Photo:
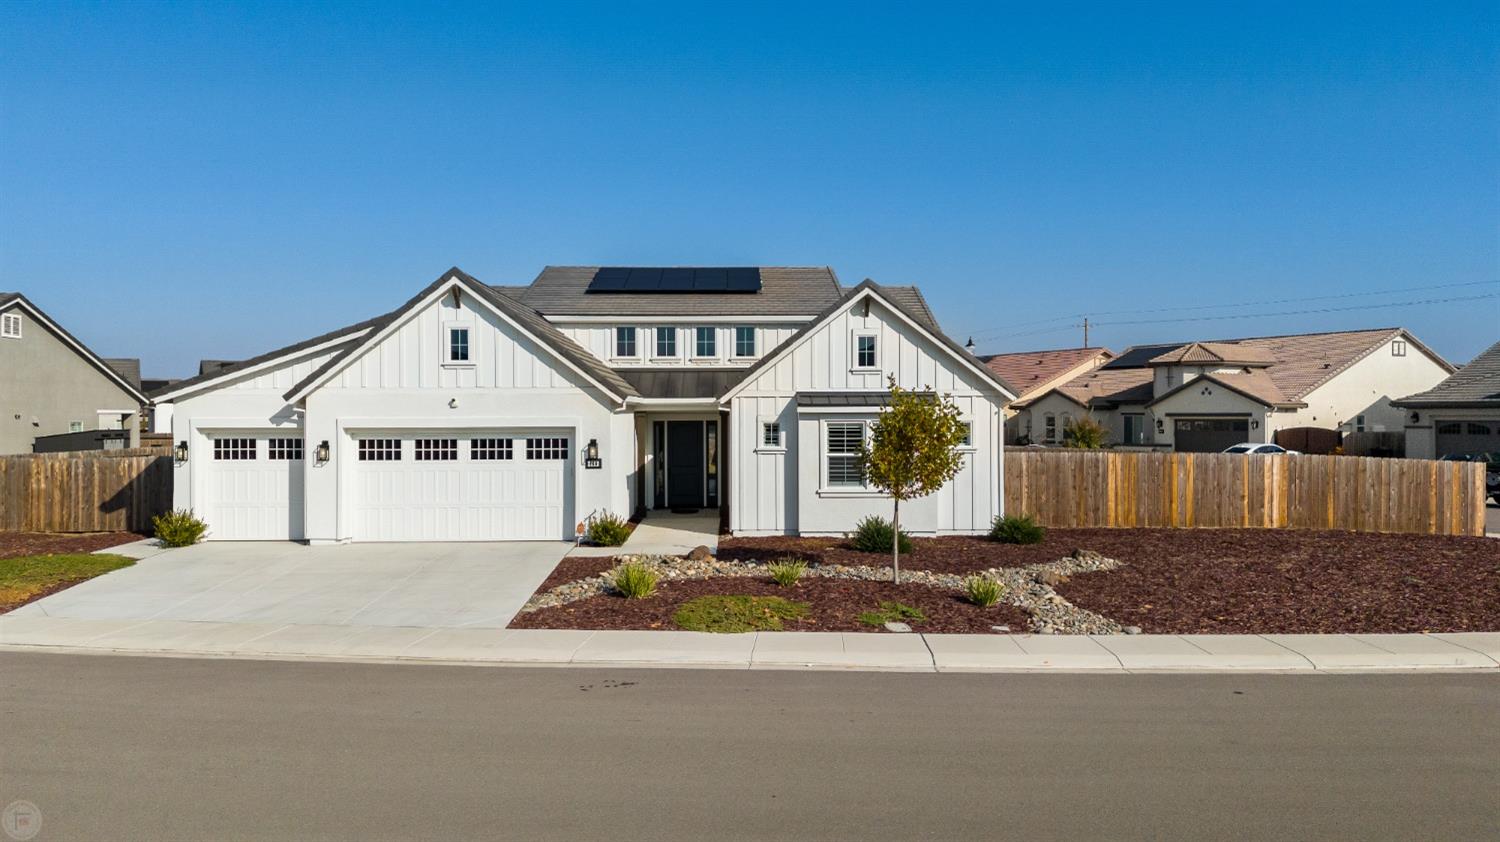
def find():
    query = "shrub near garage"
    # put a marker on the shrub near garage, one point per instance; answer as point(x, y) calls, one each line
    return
point(1017, 529)
point(634, 581)
point(178, 528)
point(608, 530)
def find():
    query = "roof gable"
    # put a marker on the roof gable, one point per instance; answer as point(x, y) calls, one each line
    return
point(15, 300)
point(1029, 371)
point(1477, 383)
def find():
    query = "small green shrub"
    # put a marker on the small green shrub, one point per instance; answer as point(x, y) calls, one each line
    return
point(1084, 434)
point(983, 591)
point(179, 528)
point(634, 580)
point(892, 612)
point(730, 614)
point(787, 571)
point(873, 535)
point(1017, 529)
point(608, 530)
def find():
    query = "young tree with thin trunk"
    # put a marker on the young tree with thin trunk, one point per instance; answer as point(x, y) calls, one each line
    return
point(912, 451)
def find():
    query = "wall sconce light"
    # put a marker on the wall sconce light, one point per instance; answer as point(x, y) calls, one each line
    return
point(321, 453)
point(1254, 425)
point(591, 455)
point(453, 403)
point(180, 452)
point(1415, 417)
point(1160, 426)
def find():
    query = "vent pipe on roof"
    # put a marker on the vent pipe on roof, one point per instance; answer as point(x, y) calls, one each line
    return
point(970, 346)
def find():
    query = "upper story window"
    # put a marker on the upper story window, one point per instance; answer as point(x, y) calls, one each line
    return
point(770, 434)
point(625, 342)
point(458, 345)
point(705, 342)
point(744, 341)
point(866, 350)
point(666, 342)
point(10, 325)
point(1398, 348)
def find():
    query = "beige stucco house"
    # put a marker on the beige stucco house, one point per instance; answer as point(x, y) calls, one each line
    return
point(1034, 373)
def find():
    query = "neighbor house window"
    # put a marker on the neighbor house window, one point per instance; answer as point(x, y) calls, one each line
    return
point(1359, 423)
point(843, 453)
point(487, 450)
point(1049, 427)
point(744, 341)
point(436, 450)
point(458, 344)
point(1135, 428)
point(379, 450)
point(666, 342)
point(284, 449)
point(234, 450)
point(705, 342)
point(625, 342)
point(1398, 348)
point(546, 448)
point(866, 351)
point(10, 325)
point(75, 426)
point(770, 434)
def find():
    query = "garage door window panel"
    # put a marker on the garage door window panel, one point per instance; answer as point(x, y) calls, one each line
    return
point(234, 449)
point(546, 449)
point(379, 450)
point(490, 450)
point(284, 449)
point(435, 450)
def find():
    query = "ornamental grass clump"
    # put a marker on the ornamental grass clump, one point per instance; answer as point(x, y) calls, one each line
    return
point(1017, 529)
point(179, 528)
point(634, 580)
point(608, 530)
point(874, 534)
point(983, 591)
point(787, 571)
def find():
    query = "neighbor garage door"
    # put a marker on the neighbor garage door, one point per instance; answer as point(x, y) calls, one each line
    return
point(487, 486)
point(1468, 437)
point(254, 487)
point(1209, 435)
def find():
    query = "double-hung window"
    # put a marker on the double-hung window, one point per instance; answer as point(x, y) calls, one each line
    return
point(666, 342)
point(744, 341)
point(705, 342)
point(625, 343)
point(866, 350)
point(844, 441)
point(457, 352)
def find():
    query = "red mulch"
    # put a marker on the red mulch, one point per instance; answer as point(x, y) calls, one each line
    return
point(834, 605)
point(17, 544)
point(573, 568)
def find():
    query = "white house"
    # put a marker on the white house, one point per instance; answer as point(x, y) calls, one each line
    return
point(512, 413)
point(1205, 396)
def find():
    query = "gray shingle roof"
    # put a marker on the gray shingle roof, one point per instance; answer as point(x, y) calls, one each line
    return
point(910, 299)
point(127, 367)
point(1476, 384)
point(785, 291)
point(211, 369)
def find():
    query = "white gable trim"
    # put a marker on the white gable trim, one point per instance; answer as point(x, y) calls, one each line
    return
point(275, 362)
point(967, 360)
point(77, 346)
point(453, 281)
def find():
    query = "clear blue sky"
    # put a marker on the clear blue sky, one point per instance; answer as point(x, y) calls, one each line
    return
point(217, 180)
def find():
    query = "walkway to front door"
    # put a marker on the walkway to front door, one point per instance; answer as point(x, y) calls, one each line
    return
point(665, 533)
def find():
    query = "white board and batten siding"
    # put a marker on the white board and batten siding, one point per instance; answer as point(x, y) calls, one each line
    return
point(779, 491)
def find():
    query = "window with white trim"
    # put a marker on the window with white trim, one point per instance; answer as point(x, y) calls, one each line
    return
point(10, 325)
point(705, 342)
point(549, 448)
point(968, 435)
point(666, 342)
point(1398, 347)
point(744, 341)
point(379, 450)
point(844, 442)
point(1359, 423)
point(490, 450)
point(1049, 425)
point(75, 426)
point(234, 450)
point(866, 350)
point(284, 450)
point(435, 450)
point(625, 342)
point(458, 345)
point(770, 434)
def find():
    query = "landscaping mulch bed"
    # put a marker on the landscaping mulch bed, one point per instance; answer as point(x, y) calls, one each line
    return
point(17, 544)
point(834, 605)
point(573, 568)
point(1272, 581)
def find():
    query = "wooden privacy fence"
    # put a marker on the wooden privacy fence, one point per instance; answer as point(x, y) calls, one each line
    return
point(1063, 488)
point(84, 491)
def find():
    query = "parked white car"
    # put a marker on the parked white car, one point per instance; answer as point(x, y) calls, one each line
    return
point(1261, 449)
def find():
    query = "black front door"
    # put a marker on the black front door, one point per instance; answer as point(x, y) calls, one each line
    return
point(684, 463)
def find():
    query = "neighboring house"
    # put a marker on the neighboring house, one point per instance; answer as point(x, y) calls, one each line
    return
point(1034, 373)
point(51, 384)
point(1206, 396)
point(1460, 414)
point(492, 413)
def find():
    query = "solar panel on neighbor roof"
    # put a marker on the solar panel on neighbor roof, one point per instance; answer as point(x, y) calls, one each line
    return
point(675, 279)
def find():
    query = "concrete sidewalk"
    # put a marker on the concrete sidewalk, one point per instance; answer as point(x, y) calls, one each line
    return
point(763, 650)
point(665, 533)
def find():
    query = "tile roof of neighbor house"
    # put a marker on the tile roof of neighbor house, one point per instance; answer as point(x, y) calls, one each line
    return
point(1228, 353)
point(1031, 370)
point(1476, 384)
point(127, 367)
point(1253, 383)
point(1299, 363)
point(1109, 387)
point(785, 291)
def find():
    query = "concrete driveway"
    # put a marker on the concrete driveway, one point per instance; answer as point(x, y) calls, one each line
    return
point(423, 585)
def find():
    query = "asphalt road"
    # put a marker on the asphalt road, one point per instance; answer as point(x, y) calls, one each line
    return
point(135, 748)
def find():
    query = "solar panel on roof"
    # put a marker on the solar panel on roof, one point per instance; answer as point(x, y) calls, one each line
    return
point(676, 279)
point(710, 280)
point(609, 278)
point(744, 280)
point(644, 279)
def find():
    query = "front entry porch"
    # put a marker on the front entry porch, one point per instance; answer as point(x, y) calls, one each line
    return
point(684, 464)
point(665, 533)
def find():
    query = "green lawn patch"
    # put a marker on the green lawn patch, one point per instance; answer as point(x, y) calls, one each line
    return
point(737, 613)
point(892, 612)
point(24, 578)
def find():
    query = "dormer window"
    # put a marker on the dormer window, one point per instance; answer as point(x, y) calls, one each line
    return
point(10, 325)
point(625, 342)
point(456, 351)
point(866, 350)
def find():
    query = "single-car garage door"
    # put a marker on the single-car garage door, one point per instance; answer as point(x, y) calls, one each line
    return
point(254, 487)
point(1468, 437)
point(488, 486)
point(1209, 435)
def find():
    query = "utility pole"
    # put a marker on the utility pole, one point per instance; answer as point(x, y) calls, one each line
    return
point(1085, 331)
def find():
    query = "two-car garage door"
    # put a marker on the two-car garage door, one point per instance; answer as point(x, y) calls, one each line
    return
point(486, 486)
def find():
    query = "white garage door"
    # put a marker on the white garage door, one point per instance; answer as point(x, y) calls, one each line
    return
point(488, 486)
point(254, 489)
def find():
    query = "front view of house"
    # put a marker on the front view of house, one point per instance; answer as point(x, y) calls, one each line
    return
point(479, 413)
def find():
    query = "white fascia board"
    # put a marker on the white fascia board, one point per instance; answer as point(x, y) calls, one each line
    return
point(747, 318)
point(215, 382)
